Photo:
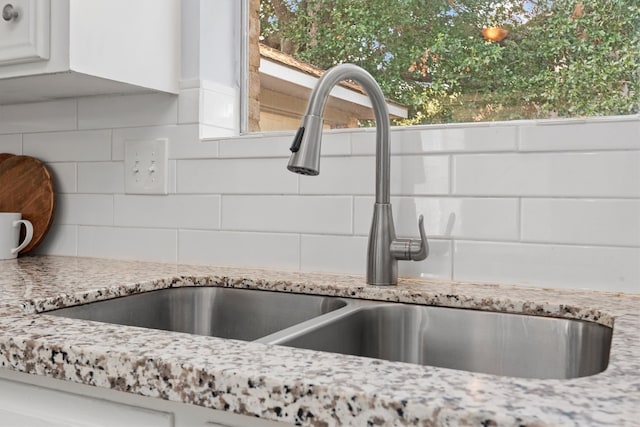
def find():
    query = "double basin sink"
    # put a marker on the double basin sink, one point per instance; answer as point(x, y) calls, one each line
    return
point(478, 341)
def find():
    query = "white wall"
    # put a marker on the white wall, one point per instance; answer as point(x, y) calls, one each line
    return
point(211, 51)
point(211, 41)
point(549, 203)
point(190, 39)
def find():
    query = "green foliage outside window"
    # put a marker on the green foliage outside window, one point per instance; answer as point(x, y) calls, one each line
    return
point(561, 58)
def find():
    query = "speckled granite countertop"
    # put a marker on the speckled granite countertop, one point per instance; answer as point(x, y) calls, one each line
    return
point(302, 386)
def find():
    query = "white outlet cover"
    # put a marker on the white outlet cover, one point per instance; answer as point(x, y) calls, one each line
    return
point(146, 166)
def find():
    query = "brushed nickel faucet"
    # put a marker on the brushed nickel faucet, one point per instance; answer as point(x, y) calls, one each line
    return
point(384, 248)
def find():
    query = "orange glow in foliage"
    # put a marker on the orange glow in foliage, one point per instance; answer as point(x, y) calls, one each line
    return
point(494, 34)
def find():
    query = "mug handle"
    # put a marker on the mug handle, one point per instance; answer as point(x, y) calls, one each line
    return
point(27, 239)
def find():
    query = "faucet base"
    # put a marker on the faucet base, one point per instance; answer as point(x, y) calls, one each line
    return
point(382, 266)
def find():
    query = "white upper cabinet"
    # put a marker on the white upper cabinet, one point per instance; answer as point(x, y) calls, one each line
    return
point(24, 31)
point(62, 48)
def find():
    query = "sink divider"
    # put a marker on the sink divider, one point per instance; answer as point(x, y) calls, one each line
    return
point(298, 329)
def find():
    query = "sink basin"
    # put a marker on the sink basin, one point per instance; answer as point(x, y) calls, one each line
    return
point(478, 341)
point(220, 312)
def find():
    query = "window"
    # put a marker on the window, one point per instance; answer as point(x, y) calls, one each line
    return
point(441, 61)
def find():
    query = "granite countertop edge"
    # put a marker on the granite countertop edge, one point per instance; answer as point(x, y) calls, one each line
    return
point(303, 386)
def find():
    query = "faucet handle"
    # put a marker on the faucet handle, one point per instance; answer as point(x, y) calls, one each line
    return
point(422, 251)
point(412, 249)
point(419, 249)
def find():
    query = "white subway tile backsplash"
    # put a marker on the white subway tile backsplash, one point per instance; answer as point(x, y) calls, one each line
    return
point(184, 141)
point(423, 140)
point(595, 174)
point(101, 177)
point(514, 209)
point(341, 175)
point(613, 120)
point(605, 268)
point(64, 177)
point(334, 254)
point(100, 112)
point(39, 116)
point(80, 146)
point(144, 244)
point(11, 144)
point(363, 215)
point(417, 175)
point(84, 209)
point(472, 218)
point(257, 146)
point(438, 264)
point(190, 148)
point(356, 175)
point(348, 254)
point(580, 136)
point(210, 133)
point(467, 218)
point(295, 214)
point(585, 221)
point(276, 251)
point(60, 240)
point(172, 177)
point(189, 105)
point(334, 143)
point(173, 211)
point(219, 107)
point(193, 149)
point(363, 143)
point(235, 176)
point(276, 144)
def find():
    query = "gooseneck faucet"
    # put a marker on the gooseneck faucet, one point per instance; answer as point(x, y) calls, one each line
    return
point(384, 248)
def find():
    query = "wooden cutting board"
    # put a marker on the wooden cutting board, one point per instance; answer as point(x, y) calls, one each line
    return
point(26, 186)
point(5, 156)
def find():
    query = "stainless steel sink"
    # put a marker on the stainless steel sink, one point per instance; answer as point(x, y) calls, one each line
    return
point(220, 312)
point(478, 341)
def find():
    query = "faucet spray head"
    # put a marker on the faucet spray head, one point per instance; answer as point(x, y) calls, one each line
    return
point(305, 150)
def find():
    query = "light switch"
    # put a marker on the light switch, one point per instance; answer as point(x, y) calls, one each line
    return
point(146, 166)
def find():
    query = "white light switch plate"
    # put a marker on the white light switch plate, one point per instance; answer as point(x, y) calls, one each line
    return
point(146, 166)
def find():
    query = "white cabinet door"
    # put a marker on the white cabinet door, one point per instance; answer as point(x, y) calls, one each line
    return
point(35, 401)
point(30, 405)
point(24, 31)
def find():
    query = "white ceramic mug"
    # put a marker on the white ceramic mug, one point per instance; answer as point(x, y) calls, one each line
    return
point(10, 234)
